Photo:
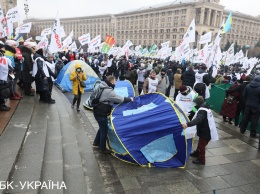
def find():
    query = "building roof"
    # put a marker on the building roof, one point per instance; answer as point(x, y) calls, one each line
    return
point(160, 5)
point(239, 14)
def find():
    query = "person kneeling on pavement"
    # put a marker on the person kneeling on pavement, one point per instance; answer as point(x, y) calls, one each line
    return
point(206, 129)
point(102, 110)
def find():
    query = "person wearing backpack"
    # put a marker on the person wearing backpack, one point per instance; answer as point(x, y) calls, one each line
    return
point(102, 109)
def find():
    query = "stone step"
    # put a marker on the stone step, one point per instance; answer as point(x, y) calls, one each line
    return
point(52, 169)
point(29, 165)
point(73, 174)
point(12, 139)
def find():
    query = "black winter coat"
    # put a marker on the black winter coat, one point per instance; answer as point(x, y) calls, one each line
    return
point(188, 78)
point(240, 90)
point(251, 93)
point(201, 120)
point(41, 83)
point(27, 63)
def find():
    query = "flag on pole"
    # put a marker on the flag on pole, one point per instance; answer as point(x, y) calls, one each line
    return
point(108, 44)
point(228, 25)
point(152, 48)
point(56, 44)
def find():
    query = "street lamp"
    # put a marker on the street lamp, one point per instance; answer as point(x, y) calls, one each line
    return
point(26, 8)
point(247, 48)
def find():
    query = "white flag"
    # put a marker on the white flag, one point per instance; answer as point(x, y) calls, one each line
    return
point(67, 41)
point(84, 39)
point(73, 47)
point(127, 45)
point(206, 38)
point(189, 36)
point(43, 43)
point(230, 55)
point(25, 28)
point(13, 15)
point(55, 44)
point(62, 32)
point(165, 44)
point(46, 31)
point(94, 43)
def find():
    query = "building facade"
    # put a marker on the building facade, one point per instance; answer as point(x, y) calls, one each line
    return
point(161, 23)
point(7, 4)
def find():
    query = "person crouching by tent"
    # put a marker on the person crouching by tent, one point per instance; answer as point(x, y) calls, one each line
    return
point(150, 83)
point(103, 109)
point(42, 76)
point(77, 77)
point(206, 129)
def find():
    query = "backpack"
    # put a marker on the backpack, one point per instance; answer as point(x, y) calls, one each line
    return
point(95, 96)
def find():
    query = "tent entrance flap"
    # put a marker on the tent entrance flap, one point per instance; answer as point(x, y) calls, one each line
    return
point(160, 150)
point(122, 91)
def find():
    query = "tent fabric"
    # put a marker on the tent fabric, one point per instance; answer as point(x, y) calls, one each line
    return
point(122, 88)
point(63, 79)
point(146, 136)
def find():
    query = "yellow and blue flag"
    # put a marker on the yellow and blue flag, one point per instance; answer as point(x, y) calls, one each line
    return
point(228, 25)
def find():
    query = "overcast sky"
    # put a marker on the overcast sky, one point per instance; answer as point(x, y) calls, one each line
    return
point(74, 8)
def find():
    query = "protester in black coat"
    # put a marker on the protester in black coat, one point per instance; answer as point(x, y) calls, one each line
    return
point(251, 95)
point(188, 77)
point(242, 103)
point(27, 68)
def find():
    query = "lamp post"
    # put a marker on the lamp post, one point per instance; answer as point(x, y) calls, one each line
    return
point(26, 8)
point(247, 48)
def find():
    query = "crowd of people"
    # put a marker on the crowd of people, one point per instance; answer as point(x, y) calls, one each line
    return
point(22, 64)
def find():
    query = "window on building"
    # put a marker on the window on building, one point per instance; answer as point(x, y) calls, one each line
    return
point(176, 12)
point(169, 12)
point(175, 24)
point(157, 14)
point(163, 20)
point(163, 13)
point(183, 11)
point(169, 19)
point(175, 30)
point(183, 18)
point(174, 42)
point(169, 25)
point(162, 25)
point(161, 31)
point(168, 36)
point(182, 30)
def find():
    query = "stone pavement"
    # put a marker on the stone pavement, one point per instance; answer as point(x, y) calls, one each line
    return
point(53, 143)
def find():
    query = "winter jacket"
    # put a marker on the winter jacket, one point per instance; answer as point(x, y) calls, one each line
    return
point(107, 100)
point(201, 120)
point(177, 81)
point(76, 81)
point(251, 93)
point(158, 68)
point(27, 63)
point(240, 90)
point(205, 77)
point(188, 78)
point(16, 63)
point(162, 84)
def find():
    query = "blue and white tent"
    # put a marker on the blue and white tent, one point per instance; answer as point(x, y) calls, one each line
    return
point(148, 132)
point(63, 79)
point(122, 88)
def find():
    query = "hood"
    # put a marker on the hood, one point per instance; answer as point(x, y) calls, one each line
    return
point(77, 66)
point(201, 71)
point(255, 83)
point(104, 85)
point(25, 50)
point(190, 72)
point(36, 55)
point(205, 105)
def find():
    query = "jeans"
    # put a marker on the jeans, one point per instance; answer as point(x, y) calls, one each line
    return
point(101, 136)
point(251, 114)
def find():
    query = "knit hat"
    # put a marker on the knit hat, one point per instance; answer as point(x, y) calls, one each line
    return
point(163, 70)
point(199, 101)
point(29, 44)
point(183, 88)
point(10, 43)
